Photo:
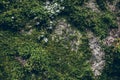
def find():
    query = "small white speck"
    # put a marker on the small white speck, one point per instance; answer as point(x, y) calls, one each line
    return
point(50, 27)
point(29, 26)
point(51, 22)
point(42, 35)
point(12, 17)
point(36, 18)
point(62, 7)
point(37, 23)
point(57, 11)
point(56, 4)
point(45, 39)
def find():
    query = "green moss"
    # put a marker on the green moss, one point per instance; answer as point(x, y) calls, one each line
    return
point(102, 4)
point(18, 16)
point(52, 60)
point(83, 18)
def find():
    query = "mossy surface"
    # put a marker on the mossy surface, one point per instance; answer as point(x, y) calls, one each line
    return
point(29, 52)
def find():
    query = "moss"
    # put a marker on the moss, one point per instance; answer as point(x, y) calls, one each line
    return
point(52, 60)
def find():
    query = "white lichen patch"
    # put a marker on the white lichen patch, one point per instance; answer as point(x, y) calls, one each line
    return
point(53, 8)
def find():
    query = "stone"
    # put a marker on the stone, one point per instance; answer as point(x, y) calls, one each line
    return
point(97, 58)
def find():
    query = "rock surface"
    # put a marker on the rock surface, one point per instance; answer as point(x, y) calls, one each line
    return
point(64, 32)
point(97, 59)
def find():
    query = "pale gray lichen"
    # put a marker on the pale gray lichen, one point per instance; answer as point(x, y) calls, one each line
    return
point(98, 55)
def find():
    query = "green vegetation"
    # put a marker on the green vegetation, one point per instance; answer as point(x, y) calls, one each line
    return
point(112, 68)
point(26, 55)
point(83, 19)
point(51, 61)
point(102, 4)
point(16, 15)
